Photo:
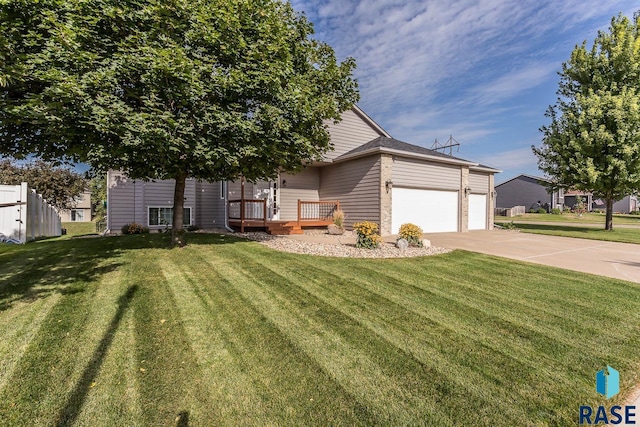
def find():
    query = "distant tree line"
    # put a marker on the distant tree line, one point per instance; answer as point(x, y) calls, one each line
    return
point(59, 185)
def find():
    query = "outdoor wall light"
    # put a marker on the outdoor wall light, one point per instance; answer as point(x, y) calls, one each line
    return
point(467, 191)
point(284, 182)
point(388, 185)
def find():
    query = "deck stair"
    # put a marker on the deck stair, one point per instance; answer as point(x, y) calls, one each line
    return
point(284, 228)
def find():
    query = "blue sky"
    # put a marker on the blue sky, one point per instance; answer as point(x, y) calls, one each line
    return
point(483, 71)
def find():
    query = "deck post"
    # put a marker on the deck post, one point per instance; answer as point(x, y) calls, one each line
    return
point(242, 204)
point(299, 211)
point(264, 212)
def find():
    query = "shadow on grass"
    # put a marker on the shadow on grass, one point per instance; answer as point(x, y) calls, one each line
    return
point(39, 269)
point(183, 419)
point(71, 409)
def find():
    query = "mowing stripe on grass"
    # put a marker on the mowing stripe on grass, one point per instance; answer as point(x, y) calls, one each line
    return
point(415, 336)
point(256, 372)
point(17, 329)
point(380, 376)
point(170, 383)
point(228, 332)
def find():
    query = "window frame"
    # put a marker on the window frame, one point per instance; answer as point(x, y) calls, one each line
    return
point(171, 216)
point(73, 215)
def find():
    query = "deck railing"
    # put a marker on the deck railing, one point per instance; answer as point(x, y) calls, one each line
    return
point(255, 210)
point(248, 210)
point(317, 210)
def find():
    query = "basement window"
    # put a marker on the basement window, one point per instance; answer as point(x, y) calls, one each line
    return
point(164, 216)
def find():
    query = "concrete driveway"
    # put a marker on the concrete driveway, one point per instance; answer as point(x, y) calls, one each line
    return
point(617, 260)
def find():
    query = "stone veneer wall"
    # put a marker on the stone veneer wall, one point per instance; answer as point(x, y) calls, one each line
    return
point(386, 173)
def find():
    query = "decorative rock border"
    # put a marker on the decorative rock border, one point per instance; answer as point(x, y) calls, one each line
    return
point(334, 248)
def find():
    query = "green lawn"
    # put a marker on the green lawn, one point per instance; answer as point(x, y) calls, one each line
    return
point(624, 235)
point(79, 228)
point(122, 331)
point(587, 218)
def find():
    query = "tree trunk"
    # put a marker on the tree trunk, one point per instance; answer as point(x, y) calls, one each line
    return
point(609, 221)
point(177, 230)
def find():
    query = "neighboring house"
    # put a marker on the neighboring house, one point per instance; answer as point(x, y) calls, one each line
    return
point(81, 211)
point(371, 175)
point(626, 205)
point(571, 197)
point(528, 191)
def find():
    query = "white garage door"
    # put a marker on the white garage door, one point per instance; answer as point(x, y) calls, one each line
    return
point(433, 211)
point(477, 211)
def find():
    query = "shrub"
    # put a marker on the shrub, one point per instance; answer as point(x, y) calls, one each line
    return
point(532, 211)
point(368, 236)
point(134, 228)
point(338, 217)
point(634, 213)
point(411, 233)
point(541, 210)
point(556, 211)
point(192, 228)
point(509, 226)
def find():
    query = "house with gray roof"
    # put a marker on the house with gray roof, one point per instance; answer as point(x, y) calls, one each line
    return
point(528, 191)
point(369, 175)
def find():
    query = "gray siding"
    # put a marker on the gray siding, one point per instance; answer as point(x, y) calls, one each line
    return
point(418, 174)
point(235, 190)
point(350, 133)
point(129, 200)
point(160, 194)
point(120, 201)
point(479, 182)
point(521, 191)
point(625, 205)
point(356, 184)
point(303, 186)
point(209, 205)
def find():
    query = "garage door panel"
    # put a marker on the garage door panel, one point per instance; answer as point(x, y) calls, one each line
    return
point(432, 210)
point(477, 211)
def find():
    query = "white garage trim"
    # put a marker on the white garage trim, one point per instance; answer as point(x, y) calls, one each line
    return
point(477, 212)
point(434, 211)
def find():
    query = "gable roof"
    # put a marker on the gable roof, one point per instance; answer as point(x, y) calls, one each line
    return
point(364, 116)
point(532, 177)
point(390, 145)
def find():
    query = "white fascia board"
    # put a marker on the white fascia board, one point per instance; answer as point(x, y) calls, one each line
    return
point(485, 169)
point(406, 154)
point(370, 121)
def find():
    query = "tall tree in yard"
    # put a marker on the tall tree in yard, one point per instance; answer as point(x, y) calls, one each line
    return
point(208, 89)
point(593, 140)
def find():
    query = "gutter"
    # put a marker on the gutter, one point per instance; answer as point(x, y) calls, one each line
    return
point(226, 208)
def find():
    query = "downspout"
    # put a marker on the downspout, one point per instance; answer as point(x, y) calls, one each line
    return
point(225, 186)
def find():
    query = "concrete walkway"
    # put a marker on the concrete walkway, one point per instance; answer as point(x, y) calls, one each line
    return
point(610, 259)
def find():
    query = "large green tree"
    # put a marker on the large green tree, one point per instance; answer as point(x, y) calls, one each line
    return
point(593, 140)
point(169, 89)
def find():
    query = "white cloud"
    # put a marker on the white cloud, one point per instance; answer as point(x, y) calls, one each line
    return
point(470, 68)
point(517, 159)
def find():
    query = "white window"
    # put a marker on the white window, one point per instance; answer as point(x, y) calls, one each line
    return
point(164, 216)
point(77, 215)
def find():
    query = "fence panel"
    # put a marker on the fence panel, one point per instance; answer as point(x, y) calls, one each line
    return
point(25, 215)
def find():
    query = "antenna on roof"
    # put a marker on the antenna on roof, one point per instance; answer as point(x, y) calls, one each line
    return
point(448, 146)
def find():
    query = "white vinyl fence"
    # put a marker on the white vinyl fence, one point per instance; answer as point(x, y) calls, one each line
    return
point(25, 215)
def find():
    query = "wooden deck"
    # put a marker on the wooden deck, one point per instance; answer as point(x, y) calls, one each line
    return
point(278, 228)
point(310, 214)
